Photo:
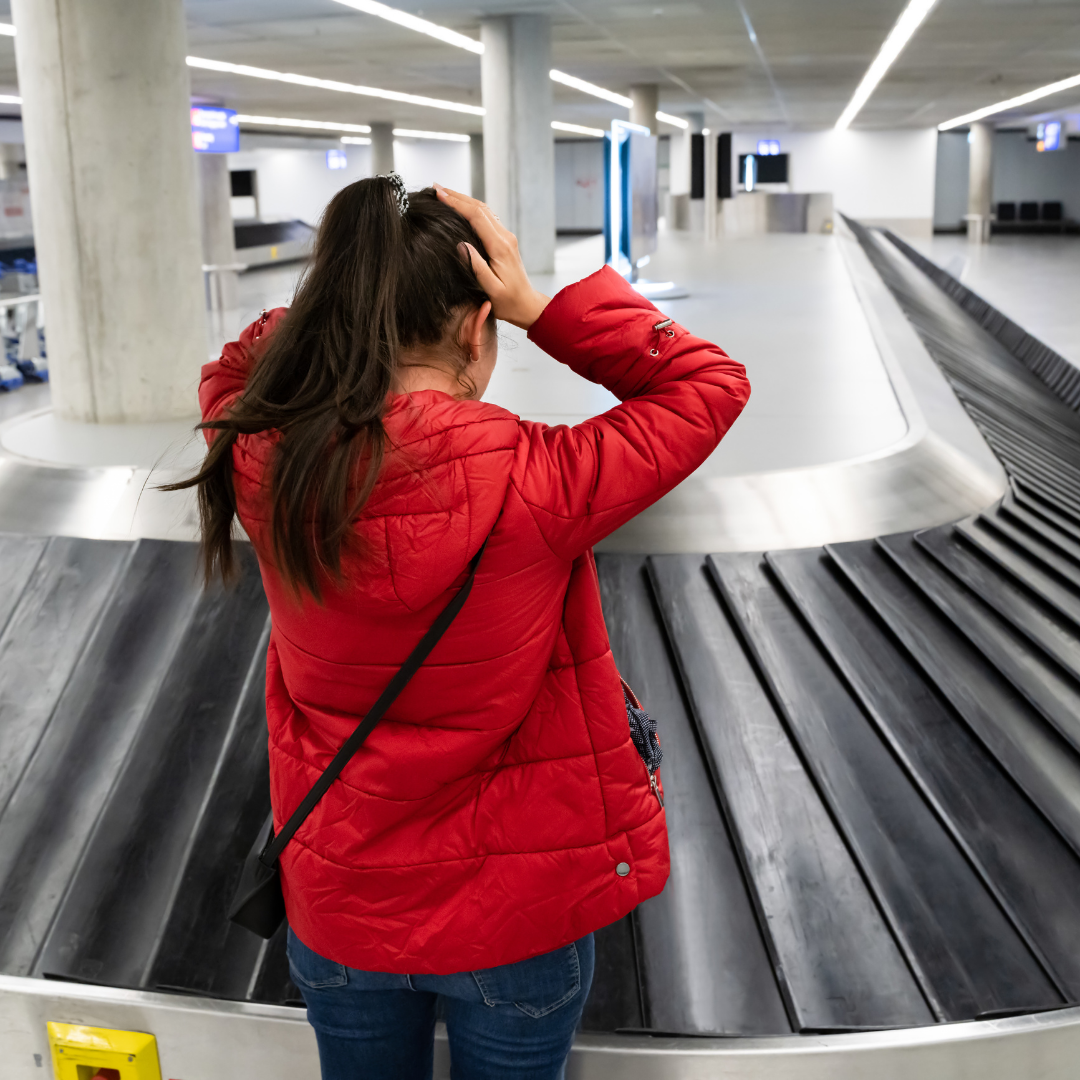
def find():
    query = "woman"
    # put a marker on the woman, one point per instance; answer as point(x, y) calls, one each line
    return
point(499, 813)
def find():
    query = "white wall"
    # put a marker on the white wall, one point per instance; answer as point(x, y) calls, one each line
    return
point(294, 182)
point(679, 162)
point(423, 161)
point(875, 176)
point(1021, 174)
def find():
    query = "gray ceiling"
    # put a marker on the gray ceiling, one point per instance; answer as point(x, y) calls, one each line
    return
point(968, 53)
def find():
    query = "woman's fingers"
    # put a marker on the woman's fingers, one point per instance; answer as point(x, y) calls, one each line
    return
point(486, 277)
point(502, 276)
point(477, 214)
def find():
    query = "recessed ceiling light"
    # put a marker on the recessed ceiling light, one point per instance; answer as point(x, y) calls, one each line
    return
point(577, 129)
point(331, 84)
point(413, 22)
point(445, 136)
point(911, 18)
point(10, 99)
point(1012, 103)
point(590, 88)
point(675, 121)
point(312, 125)
point(7, 29)
point(355, 140)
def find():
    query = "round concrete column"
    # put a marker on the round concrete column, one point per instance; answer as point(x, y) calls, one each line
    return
point(218, 238)
point(476, 166)
point(519, 150)
point(646, 99)
point(980, 181)
point(11, 155)
point(108, 141)
point(382, 149)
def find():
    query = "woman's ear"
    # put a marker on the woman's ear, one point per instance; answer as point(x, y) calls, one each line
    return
point(472, 330)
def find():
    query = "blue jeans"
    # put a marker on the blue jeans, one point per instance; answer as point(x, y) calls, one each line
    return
point(516, 1021)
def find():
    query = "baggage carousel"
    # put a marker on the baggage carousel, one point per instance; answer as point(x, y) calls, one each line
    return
point(871, 759)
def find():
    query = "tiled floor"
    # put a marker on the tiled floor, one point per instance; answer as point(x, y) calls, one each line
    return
point(1035, 280)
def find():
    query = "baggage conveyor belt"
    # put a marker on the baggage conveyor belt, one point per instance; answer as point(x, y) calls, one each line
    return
point(871, 761)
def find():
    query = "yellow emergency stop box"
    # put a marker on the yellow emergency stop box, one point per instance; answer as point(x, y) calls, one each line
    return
point(90, 1053)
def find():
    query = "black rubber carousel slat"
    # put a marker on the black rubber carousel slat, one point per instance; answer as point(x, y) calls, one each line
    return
point(50, 816)
point(1047, 554)
point(271, 981)
point(1041, 624)
point(1047, 586)
point(1021, 857)
point(1041, 529)
point(969, 959)
point(57, 610)
point(837, 961)
point(1030, 750)
point(18, 557)
point(1041, 509)
point(200, 950)
point(1054, 693)
point(615, 1000)
point(109, 925)
point(704, 965)
point(1045, 489)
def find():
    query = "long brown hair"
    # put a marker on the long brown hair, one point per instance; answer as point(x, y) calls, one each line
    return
point(378, 281)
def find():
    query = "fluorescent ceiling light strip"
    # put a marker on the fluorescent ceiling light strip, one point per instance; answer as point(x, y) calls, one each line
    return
point(312, 125)
point(7, 29)
point(445, 136)
point(590, 88)
point(911, 18)
point(577, 129)
point(675, 121)
point(10, 99)
point(413, 22)
point(355, 140)
point(330, 84)
point(1012, 103)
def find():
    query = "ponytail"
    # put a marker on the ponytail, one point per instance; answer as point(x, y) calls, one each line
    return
point(379, 281)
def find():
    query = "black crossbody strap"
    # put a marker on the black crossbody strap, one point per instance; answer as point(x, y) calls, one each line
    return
point(353, 743)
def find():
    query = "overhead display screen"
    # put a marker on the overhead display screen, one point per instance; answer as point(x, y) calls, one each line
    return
point(214, 131)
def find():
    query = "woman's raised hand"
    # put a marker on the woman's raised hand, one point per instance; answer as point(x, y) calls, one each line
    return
point(504, 279)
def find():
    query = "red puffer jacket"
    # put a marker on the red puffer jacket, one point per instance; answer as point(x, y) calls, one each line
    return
point(486, 817)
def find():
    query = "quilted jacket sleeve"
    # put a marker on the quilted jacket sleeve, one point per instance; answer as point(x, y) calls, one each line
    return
point(222, 380)
point(679, 396)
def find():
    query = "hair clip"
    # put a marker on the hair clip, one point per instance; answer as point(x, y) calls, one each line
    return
point(399, 191)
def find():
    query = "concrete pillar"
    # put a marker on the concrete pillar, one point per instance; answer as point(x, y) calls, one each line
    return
point(646, 99)
point(382, 149)
point(980, 181)
point(712, 184)
point(112, 179)
point(476, 166)
point(218, 238)
point(11, 155)
point(519, 150)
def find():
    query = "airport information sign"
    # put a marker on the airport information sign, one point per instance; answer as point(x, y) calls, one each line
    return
point(214, 131)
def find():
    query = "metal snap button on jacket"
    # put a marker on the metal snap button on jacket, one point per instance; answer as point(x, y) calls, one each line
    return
point(622, 869)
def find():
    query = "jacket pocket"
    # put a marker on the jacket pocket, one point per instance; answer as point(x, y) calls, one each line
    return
point(309, 969)
point(536, 986)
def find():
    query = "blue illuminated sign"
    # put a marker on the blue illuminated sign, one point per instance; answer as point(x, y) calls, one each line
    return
point(214, 131)
point(336, 159)
point(768, 147)
point(1050, 136)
